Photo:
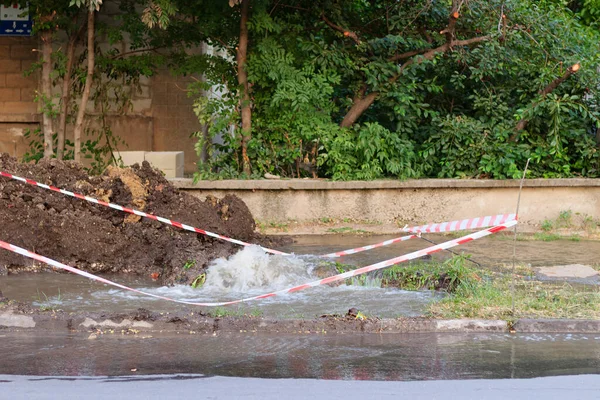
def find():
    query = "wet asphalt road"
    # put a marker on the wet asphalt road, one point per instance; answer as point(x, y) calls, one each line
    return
point(17, 387)
point(330, 356)
point(253, 366)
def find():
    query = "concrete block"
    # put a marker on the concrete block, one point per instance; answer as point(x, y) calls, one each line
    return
point(141, 105)
point(173, 173)
point(132, 157)
point(10, 320)
point(10, 66)
point(557, 326)
point(10, 94)
point(28, 94)
point(17, 80)
point(17, 107)
point(22, 52)
point(165, 160)
point(471, 325)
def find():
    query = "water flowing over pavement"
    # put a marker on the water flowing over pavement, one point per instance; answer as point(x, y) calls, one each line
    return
point(437, 366)
point(323, 365)
point(248, 272)
point(251, 272)
point(382, 357)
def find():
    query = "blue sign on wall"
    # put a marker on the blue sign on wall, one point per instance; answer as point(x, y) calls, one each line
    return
point(15, 21)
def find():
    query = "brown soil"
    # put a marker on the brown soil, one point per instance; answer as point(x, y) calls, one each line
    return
point(101, 240)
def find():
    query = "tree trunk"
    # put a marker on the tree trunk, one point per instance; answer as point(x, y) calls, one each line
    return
point(360, 106)
point(245, 102)
point(66, 97)
point(46, 97)
point(88, 86)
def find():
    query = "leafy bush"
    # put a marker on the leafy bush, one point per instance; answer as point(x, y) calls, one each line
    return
point(448, 114)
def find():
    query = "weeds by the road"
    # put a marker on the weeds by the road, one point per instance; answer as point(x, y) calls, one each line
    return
point(348, 230)
point(220, 312)
point(486, 293)
point(447, 276)
point(491, 298)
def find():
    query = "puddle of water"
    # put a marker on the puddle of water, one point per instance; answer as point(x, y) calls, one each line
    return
point(393, 357)
point(248, 273)
point(251, 272)
point(489, 251)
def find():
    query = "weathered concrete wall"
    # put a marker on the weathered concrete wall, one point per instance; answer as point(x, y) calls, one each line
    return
point(408, 202)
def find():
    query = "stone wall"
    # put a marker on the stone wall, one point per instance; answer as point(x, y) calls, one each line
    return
point(18, 111)
point(161, 118)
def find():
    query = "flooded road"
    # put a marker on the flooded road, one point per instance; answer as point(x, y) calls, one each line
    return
point(382, 357)
point(251, 272)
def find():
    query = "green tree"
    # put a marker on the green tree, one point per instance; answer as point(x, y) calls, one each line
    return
point(87, 73)
point(368, 89)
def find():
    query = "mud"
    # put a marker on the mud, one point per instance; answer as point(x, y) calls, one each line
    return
point(101, 240)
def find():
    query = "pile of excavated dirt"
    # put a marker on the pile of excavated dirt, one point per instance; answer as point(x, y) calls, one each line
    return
point(102, 240)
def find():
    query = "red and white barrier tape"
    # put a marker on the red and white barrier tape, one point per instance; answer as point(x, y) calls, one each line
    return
point(472, 223)
point(331, 279)
point(370, 247)
point(136, 212)
point(460, 225)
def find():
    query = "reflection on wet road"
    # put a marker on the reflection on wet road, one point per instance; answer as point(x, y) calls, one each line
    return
point(393, 357)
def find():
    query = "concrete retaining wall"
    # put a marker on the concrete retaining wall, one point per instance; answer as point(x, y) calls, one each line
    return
point(406, 202)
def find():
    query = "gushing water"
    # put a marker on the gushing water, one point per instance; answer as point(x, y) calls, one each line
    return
point(252, 268)
point(247, 273)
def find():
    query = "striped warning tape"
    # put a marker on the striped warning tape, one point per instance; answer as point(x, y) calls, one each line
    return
point(331, 279)
point(472, 223)
point(461, 225)
point(370, 247)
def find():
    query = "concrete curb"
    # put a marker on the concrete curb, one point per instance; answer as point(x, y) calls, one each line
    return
point(557, 326)
point(196, 323)
point(21, 318)
point(186, 323)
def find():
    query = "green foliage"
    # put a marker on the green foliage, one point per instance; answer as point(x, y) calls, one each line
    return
point(448, 114)
point(547, 225)
point(546, 237)
point(99, 154)
point(449, 275)
point(199, 281)
point(35, 150)
point(368, 152)
point(590, 12)
point(116, 75)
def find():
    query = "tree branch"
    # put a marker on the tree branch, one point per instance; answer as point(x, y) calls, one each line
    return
point(522, 124)
point(127, 53)
point(408, 54)
point(428, 55)
point(451, 28)
point(347, 33)
point(361, 104)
